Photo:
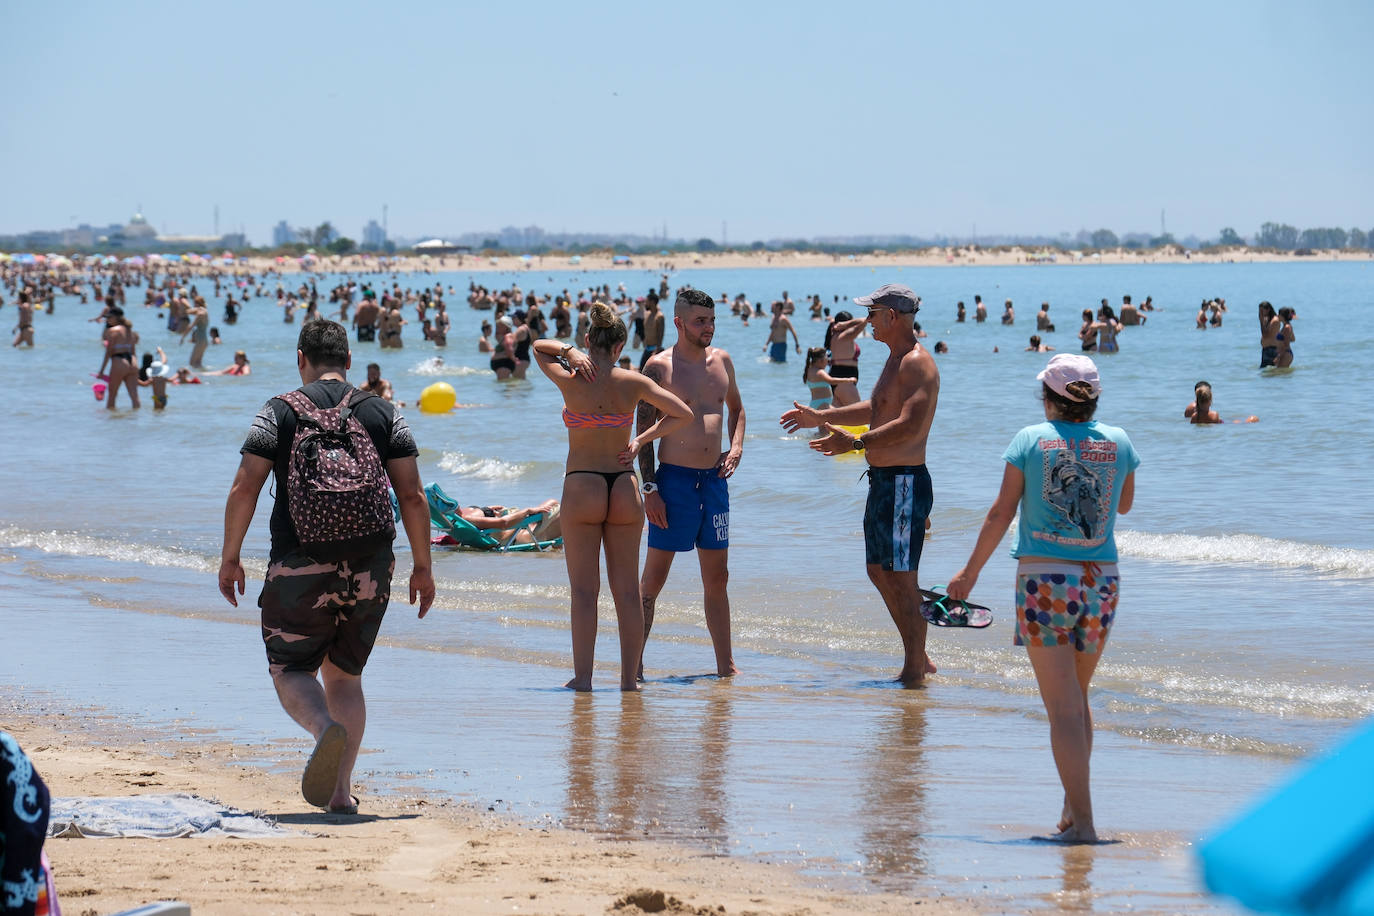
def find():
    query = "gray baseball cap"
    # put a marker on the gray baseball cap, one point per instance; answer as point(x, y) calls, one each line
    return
point(891, 296)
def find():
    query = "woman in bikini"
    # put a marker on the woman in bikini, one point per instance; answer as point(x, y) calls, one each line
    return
point(120, 344)
point(502, 360)
point(842, 340)
point(1066, 479)
point(601, 501)
point(1285, 337)
point(1107, 328)
point(199, 330)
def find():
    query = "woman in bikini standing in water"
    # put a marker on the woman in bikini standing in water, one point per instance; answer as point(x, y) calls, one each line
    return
point(120, 343)
point(601, 501)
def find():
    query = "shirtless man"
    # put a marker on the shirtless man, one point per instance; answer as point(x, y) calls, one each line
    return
point(899, 415)
point(844, 356)
point(777, 334)
point(376, 384)
point(654, 322)
point(365, 318)
point(686, 498)
point(1042, 318)
point(980, 311)
point(1130, 316)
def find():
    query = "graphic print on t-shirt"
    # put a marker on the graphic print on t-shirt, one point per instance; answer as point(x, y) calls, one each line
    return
point(1077, 486)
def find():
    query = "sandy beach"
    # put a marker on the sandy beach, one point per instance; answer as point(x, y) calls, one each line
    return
point(406, 261)
point(401, 854)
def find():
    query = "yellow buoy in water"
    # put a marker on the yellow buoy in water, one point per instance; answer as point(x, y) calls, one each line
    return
point(438, 398)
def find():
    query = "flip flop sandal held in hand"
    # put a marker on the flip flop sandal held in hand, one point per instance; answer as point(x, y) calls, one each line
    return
point(944, 611)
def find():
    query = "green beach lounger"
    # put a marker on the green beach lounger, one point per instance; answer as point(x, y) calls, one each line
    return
point(459, 532)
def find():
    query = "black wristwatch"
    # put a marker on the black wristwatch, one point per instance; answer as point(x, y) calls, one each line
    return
point(858, 443)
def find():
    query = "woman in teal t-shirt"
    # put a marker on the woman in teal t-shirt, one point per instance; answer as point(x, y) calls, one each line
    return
point(1069, 476)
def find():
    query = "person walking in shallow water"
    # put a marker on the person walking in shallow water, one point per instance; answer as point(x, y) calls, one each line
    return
point(1066, 479)
point(899, 416)
point(329, 573)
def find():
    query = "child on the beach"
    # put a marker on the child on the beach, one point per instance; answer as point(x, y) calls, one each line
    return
point(154, 373)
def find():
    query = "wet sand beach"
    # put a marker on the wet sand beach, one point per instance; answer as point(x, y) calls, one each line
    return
point(405, 853)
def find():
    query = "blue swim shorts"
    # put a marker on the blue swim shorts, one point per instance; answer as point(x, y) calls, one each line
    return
point(777, 352)
point(698, 504)
point(899, 501)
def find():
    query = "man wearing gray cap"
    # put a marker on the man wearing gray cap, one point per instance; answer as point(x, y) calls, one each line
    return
point(898, 415)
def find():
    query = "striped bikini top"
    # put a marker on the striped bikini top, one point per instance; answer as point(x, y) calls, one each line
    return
point(574, 420)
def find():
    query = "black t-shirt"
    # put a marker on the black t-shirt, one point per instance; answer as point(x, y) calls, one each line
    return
point(274, 428)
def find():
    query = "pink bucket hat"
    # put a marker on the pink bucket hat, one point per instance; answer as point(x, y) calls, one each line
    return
point(1071, 367)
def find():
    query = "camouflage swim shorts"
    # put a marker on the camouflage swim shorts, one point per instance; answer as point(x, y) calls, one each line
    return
point(313, 609)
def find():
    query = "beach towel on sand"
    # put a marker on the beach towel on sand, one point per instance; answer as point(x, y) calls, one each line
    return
point(158, 816)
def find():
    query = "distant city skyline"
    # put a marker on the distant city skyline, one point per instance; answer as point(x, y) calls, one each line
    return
point(139, 233)
point(726, 121)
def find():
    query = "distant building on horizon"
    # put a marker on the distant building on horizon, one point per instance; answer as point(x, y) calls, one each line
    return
point(282, 234)
point(374, 236)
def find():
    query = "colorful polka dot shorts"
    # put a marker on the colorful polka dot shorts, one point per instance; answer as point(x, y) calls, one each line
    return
point(1062, 609)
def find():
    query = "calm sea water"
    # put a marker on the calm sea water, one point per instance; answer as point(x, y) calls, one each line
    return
point(1243, 640)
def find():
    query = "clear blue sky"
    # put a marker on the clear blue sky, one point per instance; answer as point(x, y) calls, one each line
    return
point(782, 119)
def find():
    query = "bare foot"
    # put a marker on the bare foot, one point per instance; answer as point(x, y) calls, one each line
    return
point(583, 685)
point(1065, 819)
point(729, 672)
point(910, 678)
point(1073, 835)
point(632, 687)
point(930, 666)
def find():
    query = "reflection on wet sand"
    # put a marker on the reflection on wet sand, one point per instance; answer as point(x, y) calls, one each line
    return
point(894, 792)
point(636, 768)
point(1076, 893)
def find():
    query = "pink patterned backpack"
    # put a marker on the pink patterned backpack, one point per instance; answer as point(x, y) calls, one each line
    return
point(336, 485)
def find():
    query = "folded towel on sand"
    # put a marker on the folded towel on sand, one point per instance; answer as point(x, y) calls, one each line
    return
point(163, 816)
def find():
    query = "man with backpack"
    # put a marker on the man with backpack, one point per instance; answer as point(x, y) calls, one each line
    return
point(333, 449)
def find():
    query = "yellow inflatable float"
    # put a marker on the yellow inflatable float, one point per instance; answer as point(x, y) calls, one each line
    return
point(853, 431)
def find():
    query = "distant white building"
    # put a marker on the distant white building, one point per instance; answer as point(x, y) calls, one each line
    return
point(282, 234)
point(139, 230)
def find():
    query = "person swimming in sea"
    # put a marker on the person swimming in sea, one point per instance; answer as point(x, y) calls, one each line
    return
point(1200, 411)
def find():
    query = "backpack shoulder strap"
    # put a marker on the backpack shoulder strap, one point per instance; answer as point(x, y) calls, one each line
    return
point(297, 401)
